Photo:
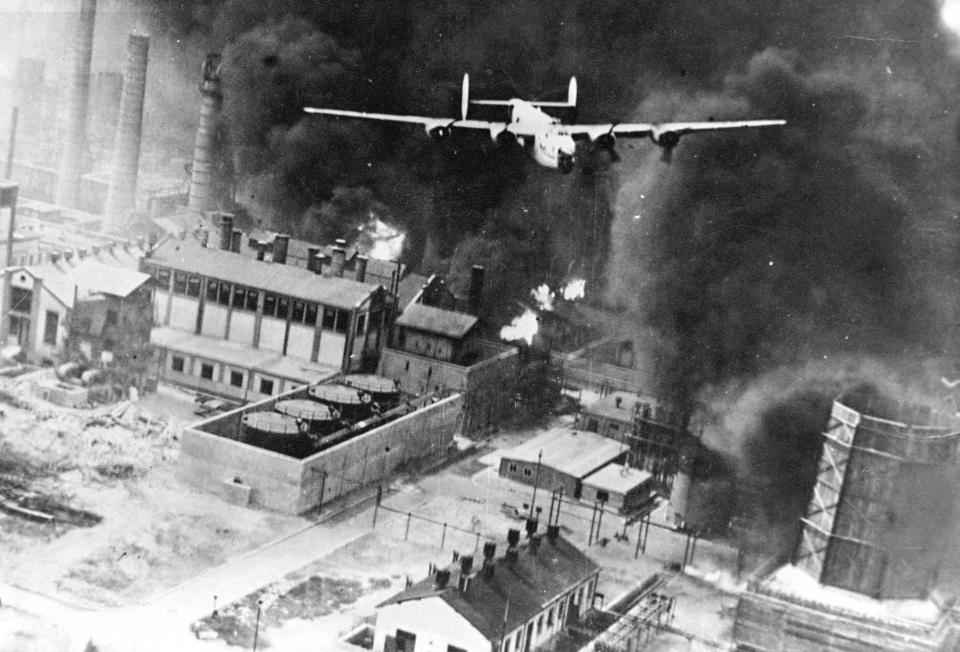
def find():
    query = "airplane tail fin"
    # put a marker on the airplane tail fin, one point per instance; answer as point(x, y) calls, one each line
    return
point(571, 102)
point(465, 96)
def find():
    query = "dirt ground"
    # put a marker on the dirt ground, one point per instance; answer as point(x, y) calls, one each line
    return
point(116, 462)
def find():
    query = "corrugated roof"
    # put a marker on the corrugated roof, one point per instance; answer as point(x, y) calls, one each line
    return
point(573, 452)
point(617, 478)
point(188, 256)
point(436, 320)
point(528, 585)
point(107, 272)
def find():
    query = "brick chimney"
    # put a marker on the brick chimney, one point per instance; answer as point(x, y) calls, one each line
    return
point(201, 195)
point(338, 258)
point(361, 269)
point(281, 244)
point(475, 296)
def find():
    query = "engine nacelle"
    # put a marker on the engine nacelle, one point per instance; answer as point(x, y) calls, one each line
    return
point(605, 141)
point(439, 132)
point(666, 139)
point(504, 139)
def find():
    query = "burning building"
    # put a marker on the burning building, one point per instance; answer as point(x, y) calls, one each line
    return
point(872, 539)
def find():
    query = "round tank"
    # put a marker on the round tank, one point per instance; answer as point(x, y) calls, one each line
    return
point(277, 432)
point(319, 417)
point(877, 519)
point(349, 401)
point(382, 391)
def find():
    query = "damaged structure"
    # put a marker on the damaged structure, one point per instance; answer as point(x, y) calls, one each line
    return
point(865, 569)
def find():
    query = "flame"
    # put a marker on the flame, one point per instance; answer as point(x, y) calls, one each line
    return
point(574, 290)
point(544, 297)
point(950, 15)
point(382, 240)
point(523, 327)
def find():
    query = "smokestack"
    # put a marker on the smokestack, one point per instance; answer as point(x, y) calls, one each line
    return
point(513, 537)
point(226, 231)
point(122, 194)
point(105, 109)
point(236, 241)
point(68, 183)
point(339, 258)
point(489, 552)
point(201, 198)
point(312, 258)
point(361, 269)
point(281, 243)
point(441, 579)
point(476, 289)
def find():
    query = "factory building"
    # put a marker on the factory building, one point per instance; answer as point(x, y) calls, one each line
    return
point(621, 487)
point(866, 563)
point(433, 347)
point(560, 458)
point(296, 451)
point(243, 329)
point(518, 602)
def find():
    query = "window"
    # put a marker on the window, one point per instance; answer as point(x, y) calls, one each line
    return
point(550, 617)
point(603, 496)
point(50, 327)
point(283, 307)
point(193, 286)
point(298, 310)
point(329, 318)
point(213, 288)
point(454, 648)
point(539, 624)
point(111, 318)
point(406, 366)
point(361, 322)
point(177, 363)
point(252, 297)
point(206, 371)
point(21, 300)
point(179, 283)
point(506, 645)
point(592, 425)
point(513, 467)
point(269, 305)
point(223, 298)
point(527, 472)
point(310, 318)
point(239, 296)
point(163, 278)
point(236, 378)
point(405, 641)
point(343, 321)
point(266, 386)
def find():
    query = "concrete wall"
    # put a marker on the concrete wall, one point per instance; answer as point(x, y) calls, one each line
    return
point(286, 484)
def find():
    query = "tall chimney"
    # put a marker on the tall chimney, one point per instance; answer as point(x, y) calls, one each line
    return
point(68, 183)
point(122, 194)
point(104, 110)
point(201, 198)
point(312, 258)
point(339, 258)
point(281, 243)
point(226, 231)
point(361, 269)
point(475, 295)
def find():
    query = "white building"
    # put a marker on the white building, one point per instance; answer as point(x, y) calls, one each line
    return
point(515, 603)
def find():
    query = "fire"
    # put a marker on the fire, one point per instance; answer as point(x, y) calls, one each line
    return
point(523, 327)
point(544, 297)
point(383, 241)
point(574, 290)
point(950, 15)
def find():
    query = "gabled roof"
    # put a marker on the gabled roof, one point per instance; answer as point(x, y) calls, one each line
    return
point(436, 320)
point(107, 272)
point(518, 591)
point(573, 452)
point(188, 256)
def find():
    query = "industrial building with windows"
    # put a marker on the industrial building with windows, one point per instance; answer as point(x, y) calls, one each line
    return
point(243, 329)
point(518, 602)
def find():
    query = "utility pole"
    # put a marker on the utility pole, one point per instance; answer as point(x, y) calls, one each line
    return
point(536, 483)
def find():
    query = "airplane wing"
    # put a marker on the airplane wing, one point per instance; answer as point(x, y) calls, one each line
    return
point(428, 123)
point(641, 129)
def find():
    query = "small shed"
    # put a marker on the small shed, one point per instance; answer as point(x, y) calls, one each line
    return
point(621, 487)
point(565, 456)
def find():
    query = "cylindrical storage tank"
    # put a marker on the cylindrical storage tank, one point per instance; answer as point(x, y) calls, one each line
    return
point(321, 419)
point(71, 159)
point(878, 517)
point(122, 193)
point(382, 391)
point(277, 432)
point(349, 401)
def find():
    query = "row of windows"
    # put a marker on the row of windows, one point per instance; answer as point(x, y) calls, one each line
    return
point(178, 364)
point(274, 305)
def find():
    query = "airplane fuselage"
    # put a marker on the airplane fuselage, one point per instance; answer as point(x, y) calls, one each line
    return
point(552, 145)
